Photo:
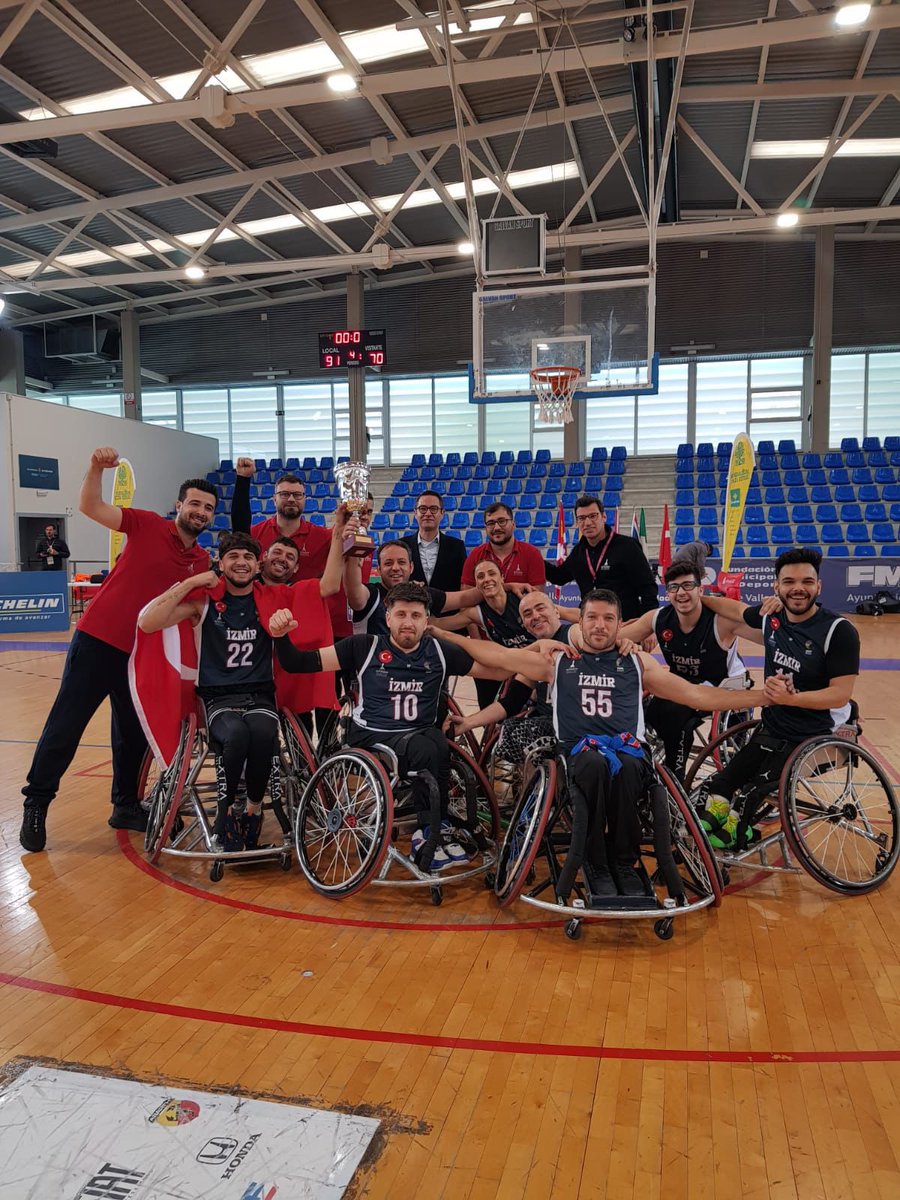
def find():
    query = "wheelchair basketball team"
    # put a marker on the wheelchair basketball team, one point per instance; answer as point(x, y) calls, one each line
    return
point(284, 620)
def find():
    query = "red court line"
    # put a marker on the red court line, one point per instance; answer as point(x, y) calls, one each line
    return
point(91, 772)
point(879, 757)
point(264, 910)
point(548, 1049)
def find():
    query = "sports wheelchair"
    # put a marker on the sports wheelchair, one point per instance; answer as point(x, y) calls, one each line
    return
point(545, 826)
point(836, 809)
point(354, 807)
point(182, 799)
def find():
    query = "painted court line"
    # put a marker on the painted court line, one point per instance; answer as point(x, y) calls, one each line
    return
point(49, 646)
point(399, 1038)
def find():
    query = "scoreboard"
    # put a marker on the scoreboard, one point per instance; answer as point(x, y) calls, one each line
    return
point(352, 348)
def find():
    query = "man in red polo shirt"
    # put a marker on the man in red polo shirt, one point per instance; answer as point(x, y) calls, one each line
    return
point(519, 563)
point(157, 554)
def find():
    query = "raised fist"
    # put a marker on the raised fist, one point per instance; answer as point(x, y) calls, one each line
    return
point(105, 457)
point(245, 466)
point(282, 622)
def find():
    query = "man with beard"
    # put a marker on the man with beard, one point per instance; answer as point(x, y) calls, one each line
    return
point(811, 665)
point(598, 722)
point(438, 558)
point(520, 565)
point(395, 563)
point(402, 673)
point(157, 553)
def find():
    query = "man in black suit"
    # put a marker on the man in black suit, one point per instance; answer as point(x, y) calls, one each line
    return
point(437, 557)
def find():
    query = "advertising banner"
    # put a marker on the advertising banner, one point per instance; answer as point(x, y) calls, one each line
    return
point(71, 1135)
point(33, 602)
point(41, 473)
point(740, 472)
point(122, 497)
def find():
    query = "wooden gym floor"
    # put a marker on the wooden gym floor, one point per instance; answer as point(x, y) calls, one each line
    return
point(756, 1054)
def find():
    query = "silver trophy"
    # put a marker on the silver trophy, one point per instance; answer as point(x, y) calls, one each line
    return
point(353, 484)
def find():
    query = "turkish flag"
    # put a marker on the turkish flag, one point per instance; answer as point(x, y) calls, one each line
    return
point(665, 543)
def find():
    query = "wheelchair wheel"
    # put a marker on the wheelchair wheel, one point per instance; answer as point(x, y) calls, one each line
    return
point(726, 723)
point(343, 823)
point(690, 844)
point(840, 814)
point(525, 832)
point(504, 777)
point(466, 773)
point(717, 752)
point(148, 780)
point(170, 791)
point(302, 757)
point(468, 740)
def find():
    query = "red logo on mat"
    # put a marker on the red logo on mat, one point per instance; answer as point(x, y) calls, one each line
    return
point(385, 656)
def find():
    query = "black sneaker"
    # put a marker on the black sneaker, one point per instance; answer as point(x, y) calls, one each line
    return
point(630, 882)
point(250, 826)
point(600, 881)
point(33, 834)
point(128, 816)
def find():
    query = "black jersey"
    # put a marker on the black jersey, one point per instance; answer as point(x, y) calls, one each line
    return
point(504, 628)
point(597, 694)
point(373, 618)
point(399, 691)
point(698, 655)
point(812, 653)
point(541, 706)
point(235, 647)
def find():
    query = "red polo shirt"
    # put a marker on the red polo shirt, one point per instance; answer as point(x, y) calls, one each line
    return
point(524, 565)
point(313, 543)
point(154, 558)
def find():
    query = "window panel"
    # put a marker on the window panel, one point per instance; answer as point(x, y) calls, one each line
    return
point(508, 426)
point(609, 421)
point(108, 403)
point(308, 429)
point(254, 425)
point(411, 418)
point(776, 430)
point(548, 437)
point(160, 408)
point(341, 420)
point(848, 397)
point(772, 405)
point(662, 419)
point(776, 372)
point(375, 420)
point(455, 419)
point(206, 411)
point(721, 400)
point(883, 411)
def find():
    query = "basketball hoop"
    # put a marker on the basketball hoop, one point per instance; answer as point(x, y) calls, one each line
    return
point(554, 388)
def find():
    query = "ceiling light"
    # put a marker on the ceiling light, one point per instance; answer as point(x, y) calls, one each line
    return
point(787, 220)
point(342, 82)
point(851, 14)
point(195, 272)
point(465, 248)
point(883, 147)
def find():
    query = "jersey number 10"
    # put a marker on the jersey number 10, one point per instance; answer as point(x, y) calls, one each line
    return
point(406, 707)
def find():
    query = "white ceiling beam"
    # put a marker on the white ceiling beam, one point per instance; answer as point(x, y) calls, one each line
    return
point(597, 180)
point(713, 158)
point(754, 112)
point(17, 24)
point(215, 59)
point(833, 146)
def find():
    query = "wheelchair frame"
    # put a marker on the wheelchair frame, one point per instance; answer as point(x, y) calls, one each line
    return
point(179, 822)
point(797, 816)
point(542, 809)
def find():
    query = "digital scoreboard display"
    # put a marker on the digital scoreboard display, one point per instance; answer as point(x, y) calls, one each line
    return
point(352, 348)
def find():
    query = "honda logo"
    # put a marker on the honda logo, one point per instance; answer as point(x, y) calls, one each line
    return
point(217, 1150)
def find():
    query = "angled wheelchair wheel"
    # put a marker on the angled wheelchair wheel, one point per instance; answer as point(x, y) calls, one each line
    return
point(525, 832)
point(170, 791)
point(148, 779)
point(303, 761)
point(468, 739)
point(691, 849)
point(343, 823)
point(331, 735)
point(468, 779)
point(726, 723)
point(840, 814)
point(717, 752)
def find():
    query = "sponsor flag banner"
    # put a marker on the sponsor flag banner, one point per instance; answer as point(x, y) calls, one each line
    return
point(740, 472)
point(642, 531)
point(561, 547)
point(72, 1135)
point(122, 497)
point(665, 544)
point(635, 528)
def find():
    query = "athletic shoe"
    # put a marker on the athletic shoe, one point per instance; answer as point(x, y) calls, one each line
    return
point(250, 825)
point(440, 859)
point(716, 813)
point(33, 834)
point(600, 881)
point(128, 816)
point(727, 837)
point(232, 838)
point(630, 882)
point(454, 851)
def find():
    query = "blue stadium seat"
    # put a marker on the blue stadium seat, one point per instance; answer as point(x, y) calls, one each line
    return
point(538, 470)
point(391, 505)
point(615, 483)
point(801, 513)
point(552, 487)
point(844, 493)
point(542, 456)
point(786, 446)
point(449, 503)
point(328, 504)
point(523, 520)
point(838, 475)
point(832, 534)
point(428, 473)
point(534, 487)
point(452, 459)
point(226, 465)
point(684, 481)
point(538, 537)
point(858, 532)
point(837, 551)
point(518, 471)
point(706, 479)
point(849, 445)
point(765, 447)
point(256, 505)
point(871, 443)
point(782, 536)
point(473, 538)
point(457, 488)
point(864, 475)
point(467, 504)
point(684, 535)
point(475, 487)
point(811, 462)
point(513, 487)
point(400, 520)
point(401, 488)
point(544, 519)
point(409, 474)
point(494, 487)
point(611, 501)
point(794, 478)
point(685, 496)
point(864, 550)
point(684, 516)
point(685, 450)
point(524, 456)
point(891, 492)
point(506, 459)
point(816, 477)
point(771, 479)
point(407, 504)
point(892, 443)
point(885, 475)
point(381, 520)
point(481, 472)
point(807, 535)
point(529, 501)
point(556, 469)
point(275, 464)
point(684, 466)
point(593, 484)
point(435, 460)
point(790, 462)
point(470, 458)
point(576, 468)
point(778, 515)
point(489, 458)
point(875, 512)
point(417, 460)
point(600, 454)
point(850, 512)
point(618, 452)
point(548, 500)
point(877, 458)
point(705, 450)
point(821, 494)
point(754, 515)
point(760, 551)
point(708, 515)
point(826, 512)
point(833, 459)
point(767, 462)
point(724, 449)
point(707, 496)
point(882, 532)
point(774, 495)
point(616, 467)
point(757, 535)
point(892, 550)
point(446, 474)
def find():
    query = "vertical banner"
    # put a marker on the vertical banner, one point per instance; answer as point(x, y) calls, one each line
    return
point(561, 548)
point(665, 544)
point(122, 497)
point(740, 472)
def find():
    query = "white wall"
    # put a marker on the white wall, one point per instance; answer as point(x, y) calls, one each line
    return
point(162, 459)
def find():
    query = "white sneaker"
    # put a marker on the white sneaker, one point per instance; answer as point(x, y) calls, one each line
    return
point(440, 858)
point(454, 851)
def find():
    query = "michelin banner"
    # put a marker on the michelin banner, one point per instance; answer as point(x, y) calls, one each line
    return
point(33, 602)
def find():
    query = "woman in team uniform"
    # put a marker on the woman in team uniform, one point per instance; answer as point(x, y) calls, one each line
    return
point(497, 615)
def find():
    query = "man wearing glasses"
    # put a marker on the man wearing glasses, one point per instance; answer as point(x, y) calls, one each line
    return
point(698, 646)
point(438, 558)
point(605, 559)
point(519, 563)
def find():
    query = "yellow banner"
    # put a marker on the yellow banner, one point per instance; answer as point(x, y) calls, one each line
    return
point(122, 497)
point(740, 472)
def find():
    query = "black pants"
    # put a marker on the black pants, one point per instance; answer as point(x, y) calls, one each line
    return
point(760, 762)
point(675, 724)
point(613, 822)
point(244, 734)
point(93, 671)
point(422, 750)
point(486, 690)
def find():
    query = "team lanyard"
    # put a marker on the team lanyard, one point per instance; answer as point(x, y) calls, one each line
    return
point(587, 554)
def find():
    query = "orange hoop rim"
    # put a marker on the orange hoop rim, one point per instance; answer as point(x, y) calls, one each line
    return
point(555, 376)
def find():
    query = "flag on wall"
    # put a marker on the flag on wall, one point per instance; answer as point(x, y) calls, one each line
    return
point(665, 543)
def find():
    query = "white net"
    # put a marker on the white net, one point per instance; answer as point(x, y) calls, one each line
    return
point(554, 388)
